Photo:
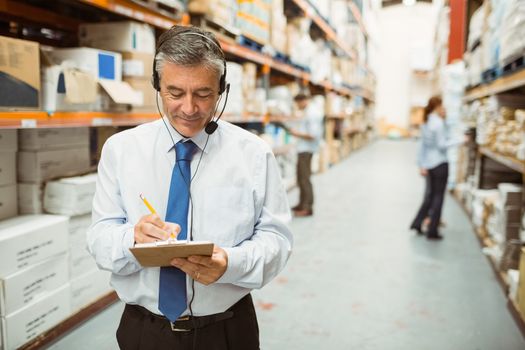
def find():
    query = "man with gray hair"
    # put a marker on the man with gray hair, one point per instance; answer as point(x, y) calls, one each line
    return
point(208, 180)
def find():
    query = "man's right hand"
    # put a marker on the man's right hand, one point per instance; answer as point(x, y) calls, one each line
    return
point(151, 228)
point(423, 172)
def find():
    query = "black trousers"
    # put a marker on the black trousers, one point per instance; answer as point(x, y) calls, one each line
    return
point(141, 329)
point(436, 185)
point(304, 171)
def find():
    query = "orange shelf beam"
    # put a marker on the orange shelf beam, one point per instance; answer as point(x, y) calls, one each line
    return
point(37, 119)
point(132, 10)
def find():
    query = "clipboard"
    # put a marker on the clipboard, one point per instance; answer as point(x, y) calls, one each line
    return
point(161, 253)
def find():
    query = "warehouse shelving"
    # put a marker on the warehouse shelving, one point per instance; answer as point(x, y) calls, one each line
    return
point(41, 15)
point(509, 162)
point(502, 84)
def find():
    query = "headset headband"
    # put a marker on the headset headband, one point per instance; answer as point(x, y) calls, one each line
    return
point(155, 76)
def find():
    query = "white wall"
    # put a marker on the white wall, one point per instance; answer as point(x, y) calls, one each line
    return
point(406, 34)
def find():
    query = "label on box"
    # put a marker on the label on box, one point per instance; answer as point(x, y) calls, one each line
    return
point(29, 239)
point(32, 283)
point(32, 320)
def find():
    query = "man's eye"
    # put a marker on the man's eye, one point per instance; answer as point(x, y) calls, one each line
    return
point(204, 95)
point(176, 95)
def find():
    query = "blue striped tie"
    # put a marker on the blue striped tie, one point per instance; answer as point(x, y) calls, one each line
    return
point(172, 284)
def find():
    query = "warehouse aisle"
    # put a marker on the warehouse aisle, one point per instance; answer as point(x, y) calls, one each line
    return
point(359, 279)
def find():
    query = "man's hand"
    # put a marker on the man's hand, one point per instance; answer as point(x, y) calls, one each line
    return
point(151, 228)
point(204, 269)
point(423, 172)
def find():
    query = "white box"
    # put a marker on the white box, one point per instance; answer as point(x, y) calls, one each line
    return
point(30, 198)
point(8, 202)
point(70, 196)
point(8, 140)
point(7, 168)
point(53, 138)
point(29, 322)
point(89, 287)
point(33, 283)
point(40, 166)
point(80, 261)
point(99, 63)
point(118, 36)
point(28, 239)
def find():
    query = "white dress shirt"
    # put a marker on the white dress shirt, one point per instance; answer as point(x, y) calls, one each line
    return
point(311, 124)
point(239, 204)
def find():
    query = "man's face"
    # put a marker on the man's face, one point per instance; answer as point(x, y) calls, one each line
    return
point(302, 104)
point(189, 95)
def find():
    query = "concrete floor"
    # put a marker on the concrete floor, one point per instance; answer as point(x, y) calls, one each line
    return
point(359, 279)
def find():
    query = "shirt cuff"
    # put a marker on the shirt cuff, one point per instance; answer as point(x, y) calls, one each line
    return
point(236, 265)
point(128, 241)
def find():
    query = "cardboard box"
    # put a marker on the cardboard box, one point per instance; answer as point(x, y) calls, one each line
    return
point(137, 64)
point(80, 261)
point(40, 166)
point(53, 138)
point(70, 196)
point(7, 168)
point(8, 201)
point(30, 198)
point(99, 63)
point(19, 73)
point(29, 239)
point(32, 283)
point(147, 94)
point(29, 322)
point(118, 36)
point(98, 136)
point(67, 89)
point(89, 287)
point(8, 140)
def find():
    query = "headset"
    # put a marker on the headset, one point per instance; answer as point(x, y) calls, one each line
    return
point(223, 85)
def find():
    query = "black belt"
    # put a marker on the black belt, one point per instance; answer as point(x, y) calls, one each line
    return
point(185, 323)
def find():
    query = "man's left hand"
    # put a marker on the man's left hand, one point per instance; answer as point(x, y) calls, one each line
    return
point(204, 269)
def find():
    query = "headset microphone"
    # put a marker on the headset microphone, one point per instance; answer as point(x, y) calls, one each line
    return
point(212, 125)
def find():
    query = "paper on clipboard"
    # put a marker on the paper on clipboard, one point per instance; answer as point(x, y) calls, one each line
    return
point(162, 253)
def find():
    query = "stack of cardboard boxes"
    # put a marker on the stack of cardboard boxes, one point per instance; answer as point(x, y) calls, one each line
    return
point(34, 272)
point(8, 197)
point(46, 272)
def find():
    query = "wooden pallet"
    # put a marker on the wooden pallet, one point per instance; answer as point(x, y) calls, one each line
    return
point(491, 74)
point(514, 64)
point(172, 9)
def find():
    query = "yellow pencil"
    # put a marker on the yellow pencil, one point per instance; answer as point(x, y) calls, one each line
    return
point(150, 207)
point(153, 211)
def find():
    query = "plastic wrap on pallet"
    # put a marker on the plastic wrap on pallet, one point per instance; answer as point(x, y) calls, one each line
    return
point(476, 27)
point(512, 39)
point(235, 105)
point(339, 14)
point(222, 12)
point(301, 48)
point(321, 71)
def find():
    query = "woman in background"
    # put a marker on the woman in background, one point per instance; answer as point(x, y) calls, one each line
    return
point(433, 164)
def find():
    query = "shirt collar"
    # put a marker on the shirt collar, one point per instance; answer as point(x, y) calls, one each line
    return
point(168, 143)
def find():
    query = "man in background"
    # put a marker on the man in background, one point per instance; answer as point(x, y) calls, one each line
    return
point(309, 134)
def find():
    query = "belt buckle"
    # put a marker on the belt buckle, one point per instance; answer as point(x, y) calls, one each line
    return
point(174, 329)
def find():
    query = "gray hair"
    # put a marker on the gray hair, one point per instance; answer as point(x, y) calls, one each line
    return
point(189, 46)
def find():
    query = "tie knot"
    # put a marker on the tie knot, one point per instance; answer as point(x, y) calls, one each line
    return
point(185, 150)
